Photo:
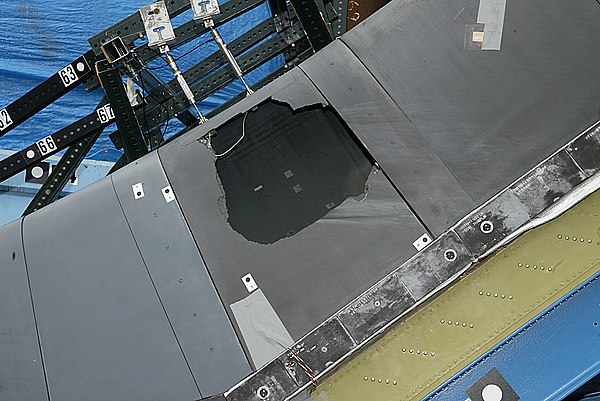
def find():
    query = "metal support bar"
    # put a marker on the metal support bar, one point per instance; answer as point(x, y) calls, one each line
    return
point(183, 33)
point(132, 26)
point(230, 58)
point(62, 173)
point(221, 78)
point(45, 93)
point(242, 43)
point(272, 76)
point(157, 88)
point(313, 22)
point(52, 144)
point(339, 25)
point(133, 142)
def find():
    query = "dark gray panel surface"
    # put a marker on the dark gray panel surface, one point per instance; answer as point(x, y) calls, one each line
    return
point(194, 309)
point(410, 162)
point(547, 182)
point(318, 350)
point(21, 372)
point(272, 383)
point(310, 275)
point(492, 223)
point(586, 150)
point(103, 330)
point(489, 115)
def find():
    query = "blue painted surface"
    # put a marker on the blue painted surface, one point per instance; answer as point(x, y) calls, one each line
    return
point(40, 37)
point(547, 359)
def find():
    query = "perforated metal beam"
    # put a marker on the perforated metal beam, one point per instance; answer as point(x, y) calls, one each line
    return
point(131, 135)
point(51, 144)
point(313, 22)
point(45, 93)
point(183, 33)
point(204, 87)
point(62, 173)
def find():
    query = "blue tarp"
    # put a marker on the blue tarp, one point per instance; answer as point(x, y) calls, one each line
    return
point(38, 38)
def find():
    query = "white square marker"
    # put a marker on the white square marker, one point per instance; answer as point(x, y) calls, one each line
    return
point(422, 242)
point(249, 282)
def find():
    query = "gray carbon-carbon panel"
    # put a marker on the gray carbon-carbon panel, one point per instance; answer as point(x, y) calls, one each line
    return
point(308, 276)
point(377, 307)
point(195, 311)
point(103, 331)
point(547, 182)
point(434, 265)
point(410, 162)
point(21, 373)
point(318, 350)
point(489, 115)
point(271, 383)
point(492, 223)
point(586, 151)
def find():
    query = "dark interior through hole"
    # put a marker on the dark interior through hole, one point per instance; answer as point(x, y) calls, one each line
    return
point(291, 168)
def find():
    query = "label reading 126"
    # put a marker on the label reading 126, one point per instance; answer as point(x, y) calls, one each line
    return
point(105, 114)
point(46, 145)
point(68, 75)
point(5, 120)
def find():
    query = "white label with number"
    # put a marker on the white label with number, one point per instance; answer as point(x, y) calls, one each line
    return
point(105, 114)
point(5, 120)
point(68, 75)
point(46, 145)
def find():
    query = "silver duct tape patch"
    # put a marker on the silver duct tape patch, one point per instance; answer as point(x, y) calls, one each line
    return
point(491, 15)
point(263, 331)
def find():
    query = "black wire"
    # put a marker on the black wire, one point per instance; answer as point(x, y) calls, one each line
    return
point(199, 46)
point(157, 101)
point(179, 57)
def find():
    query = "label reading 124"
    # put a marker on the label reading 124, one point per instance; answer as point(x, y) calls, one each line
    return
point(46, 145)
point(68, 75)
point(5, 120)
point(105, 114)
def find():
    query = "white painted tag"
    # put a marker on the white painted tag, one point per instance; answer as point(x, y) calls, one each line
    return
point(105, 114)
point(249, 282)
point(422, 242)
point(5, 120)
point(168, 194)
point(46, 145)
point(68, 76)
point(138, 190)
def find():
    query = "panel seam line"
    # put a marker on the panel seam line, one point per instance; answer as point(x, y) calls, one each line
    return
point(154, 287)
